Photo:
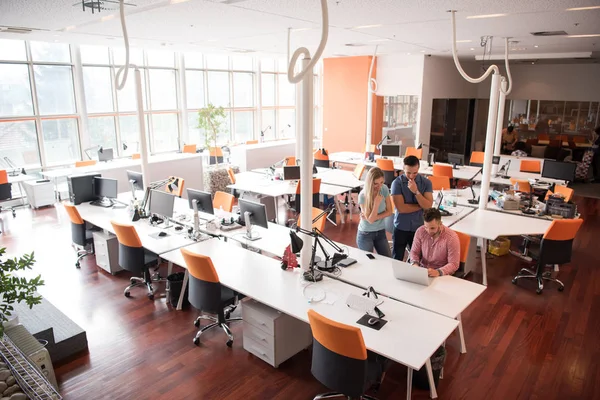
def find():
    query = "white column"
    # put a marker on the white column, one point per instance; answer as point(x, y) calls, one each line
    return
point(499, 123)
point(142, 123)
point(306, 155)
point(489, 140)
point(298, 127)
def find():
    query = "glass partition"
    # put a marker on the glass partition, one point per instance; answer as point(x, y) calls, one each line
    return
point(400, 118)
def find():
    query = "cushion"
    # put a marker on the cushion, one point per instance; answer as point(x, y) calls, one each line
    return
point(538, 151)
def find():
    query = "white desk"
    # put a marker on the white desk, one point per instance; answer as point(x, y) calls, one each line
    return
point(339, 177)
point(489, 225)
point(410, 337)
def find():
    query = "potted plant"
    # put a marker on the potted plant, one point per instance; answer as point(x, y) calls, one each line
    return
point(15, 289)
point(210, 120)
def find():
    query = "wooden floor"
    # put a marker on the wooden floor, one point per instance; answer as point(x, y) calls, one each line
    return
point(520, 345)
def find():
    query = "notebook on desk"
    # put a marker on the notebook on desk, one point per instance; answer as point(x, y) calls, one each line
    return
point(411, 273)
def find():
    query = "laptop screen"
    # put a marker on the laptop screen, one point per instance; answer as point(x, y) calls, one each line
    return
point(438, 200)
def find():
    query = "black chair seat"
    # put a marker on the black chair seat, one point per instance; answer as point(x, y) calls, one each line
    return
point(227, 295)
point(150, 258)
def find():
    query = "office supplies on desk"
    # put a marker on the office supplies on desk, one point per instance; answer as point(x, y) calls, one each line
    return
point(411, 273)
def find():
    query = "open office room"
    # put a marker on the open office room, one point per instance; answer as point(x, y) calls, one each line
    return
point(299, 199)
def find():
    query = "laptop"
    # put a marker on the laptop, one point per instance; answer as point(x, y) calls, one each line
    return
point(438, 203)
point(410, 273)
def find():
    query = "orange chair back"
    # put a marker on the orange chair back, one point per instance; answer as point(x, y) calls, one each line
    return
point(189, 148)
point(443, 170)
point(126, 234)
point(531, 166)
point(413, 151)
point(177, 190)
point(341, 339)
point(555, 143)
point(290, 161)
point(563, 229)
point(465, 241)
point(320, 224)
point(251, 141)
point(477, 157)
point(566, 192)
point(524, 185)
point(85, 163)
point(579, 139)
point(439, 182)
point(3, 177)
point(385, 165)
point(216, 152)
point(543, 136)
point(73, 214)
point(316, 188)
point(318, 155)
point(136, 156)
point(231, 175)
point(224, 200)
point(358, 171)
point(200, 267)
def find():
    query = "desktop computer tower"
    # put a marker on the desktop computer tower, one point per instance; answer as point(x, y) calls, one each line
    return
point(81, 188)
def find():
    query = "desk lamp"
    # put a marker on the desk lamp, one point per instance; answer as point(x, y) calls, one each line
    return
point(386, 137)
point(474, 200)
point(262, 133)
point(504, 170)
point(97, 147)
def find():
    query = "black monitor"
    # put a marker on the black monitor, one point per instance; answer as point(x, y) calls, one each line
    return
point(161, 203)
point(203, 200)
point(390, 150)
point(456, 159)
point(253, 214)
point(137, 178)
point(106, 187)
point(291, 173)
point(564, 171)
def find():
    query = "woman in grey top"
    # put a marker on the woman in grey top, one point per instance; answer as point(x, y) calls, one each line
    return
point(376, 204)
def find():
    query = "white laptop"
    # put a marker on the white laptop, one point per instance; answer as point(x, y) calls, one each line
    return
point(409, 273)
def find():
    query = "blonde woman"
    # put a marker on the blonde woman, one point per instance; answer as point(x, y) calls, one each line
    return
point(376, 204)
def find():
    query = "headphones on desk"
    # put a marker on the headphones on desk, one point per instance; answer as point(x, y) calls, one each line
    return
point(228, 221)
point(155, 220)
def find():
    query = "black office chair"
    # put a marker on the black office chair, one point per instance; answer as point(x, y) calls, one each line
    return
point(81, 234)
point(208, 295)
point(6, 191)
point(133, 258)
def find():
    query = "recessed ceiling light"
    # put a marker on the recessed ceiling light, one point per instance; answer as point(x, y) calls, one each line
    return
point(583, 8)
point(463, 41)
point(367, 26)
point(408, 54)
point(472, 48)
point(422, 51)
point(486, 16)
point(70, 28)
point(533, 63)
point(107, 17)
point(536, 46)
point(584, 36)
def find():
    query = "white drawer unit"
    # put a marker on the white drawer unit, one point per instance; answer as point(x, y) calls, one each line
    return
point(39, 194)
point(106, 249)
point(272, 336)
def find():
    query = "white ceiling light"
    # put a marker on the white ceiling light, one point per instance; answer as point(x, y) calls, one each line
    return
point(178, 1)
point(486, 16)
point(367, 26)
point(583, 8)
point(584, 36)
point(472, 48)
point(536, 46)
point(107, 17)
point(536, 56)
point(463, 41)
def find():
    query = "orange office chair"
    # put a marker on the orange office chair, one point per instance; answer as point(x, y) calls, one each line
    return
point(321, 158)
point(85, 163)
point(340, 360)
point(136, 156)
point(215, 155)
point(224, 200)
point(477, 158)
point(387, 166)
point(231, 175)
point(555, 248)
point(208, 295)
point(443, 170)
point(531, 166)
point(523, 184)
point(81, 236)
point(251, 141)
point(413, 151)
point(189, 148)
point(320, 224)
point(439, 182)
point(359, 171)
point(289, 161)
point(465, 241)
point(543, 136)
point(6, 191)
point(176, 187)
point(316, 188)
point(566, 192)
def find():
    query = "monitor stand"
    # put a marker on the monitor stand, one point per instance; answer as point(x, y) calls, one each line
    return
point(103, 202)
point(249, 234)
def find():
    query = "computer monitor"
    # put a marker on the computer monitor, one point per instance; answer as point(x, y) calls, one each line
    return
point(456, 159)
point(254, 214)
point(438, 200)
point(106, 187)
point(564, 171)
point(291, 173)
point(315, 170)
point(106, 155)
point(390, 150)
point(137, 178)
point(203, 200)
point(161, 203)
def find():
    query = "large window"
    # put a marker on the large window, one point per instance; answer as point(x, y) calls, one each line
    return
point(15, 91)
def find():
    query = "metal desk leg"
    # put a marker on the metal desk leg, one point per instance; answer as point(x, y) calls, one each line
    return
point(350, 202)
point(339, 210)
point(409, 375)
point(461, 334)
point(433, 391)
point(169, 268)
point(182, 294)
point(483, 260)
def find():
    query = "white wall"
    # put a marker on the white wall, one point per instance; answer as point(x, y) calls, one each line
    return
point(568, 82)
point(399, 75)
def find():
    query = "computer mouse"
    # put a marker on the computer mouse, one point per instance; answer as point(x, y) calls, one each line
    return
point(162, 234)
point(372, 321)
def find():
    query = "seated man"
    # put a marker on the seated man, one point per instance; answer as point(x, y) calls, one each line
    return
point(435, 246)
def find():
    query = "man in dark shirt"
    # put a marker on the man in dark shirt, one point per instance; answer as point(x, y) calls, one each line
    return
point(411, 193)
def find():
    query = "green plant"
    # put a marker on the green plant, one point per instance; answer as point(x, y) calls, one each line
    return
point(15, 289)
point(211, 120)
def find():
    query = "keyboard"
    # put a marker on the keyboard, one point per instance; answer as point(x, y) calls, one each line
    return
point(362, 303)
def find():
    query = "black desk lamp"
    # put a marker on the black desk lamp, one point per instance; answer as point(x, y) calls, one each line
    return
point(386, 137)
point(474, 200)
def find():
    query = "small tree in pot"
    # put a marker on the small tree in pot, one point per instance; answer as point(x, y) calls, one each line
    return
point(211, 120)
point(15, 289)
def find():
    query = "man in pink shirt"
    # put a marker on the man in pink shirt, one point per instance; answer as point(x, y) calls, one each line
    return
point(435, 246)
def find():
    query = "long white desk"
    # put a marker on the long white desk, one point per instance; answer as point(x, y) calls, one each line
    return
point(489, 225)
point(410, 337)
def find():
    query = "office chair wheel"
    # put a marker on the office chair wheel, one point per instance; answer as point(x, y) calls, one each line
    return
point(77, 265)
point(514, 281)
point(561, 288)
point(538, 291)
point(227, 314)
point(127, 294)
point(229, 343)
point(197, 323)
point(150, 296)
point(197, 341)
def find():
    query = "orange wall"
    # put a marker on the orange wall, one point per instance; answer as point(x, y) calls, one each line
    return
point(345, 103)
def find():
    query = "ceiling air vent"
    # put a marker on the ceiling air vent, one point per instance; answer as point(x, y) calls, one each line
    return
point(15, 29)
point(549, 33)
point(355, 44)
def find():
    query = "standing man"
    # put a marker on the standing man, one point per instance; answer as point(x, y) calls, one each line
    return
point(411, 193)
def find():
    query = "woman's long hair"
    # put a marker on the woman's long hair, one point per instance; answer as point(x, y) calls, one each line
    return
point(373, 174)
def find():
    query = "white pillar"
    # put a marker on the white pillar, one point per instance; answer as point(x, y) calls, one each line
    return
point(298, 126)
point(142, 123)
point(499, 123)
point(306, 155)
point(489, 140)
